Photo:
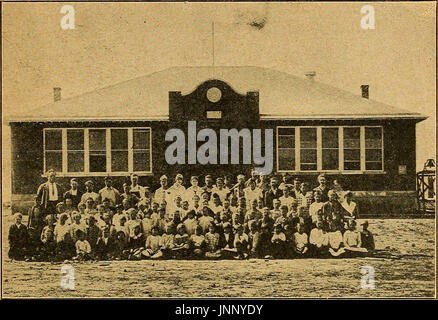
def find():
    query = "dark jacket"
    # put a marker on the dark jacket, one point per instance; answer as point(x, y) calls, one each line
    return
point(270, 196)
point(42, 196)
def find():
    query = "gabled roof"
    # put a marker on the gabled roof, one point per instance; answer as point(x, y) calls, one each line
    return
point(281, 96)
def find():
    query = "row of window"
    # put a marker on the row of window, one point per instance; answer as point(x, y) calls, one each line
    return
point(98, 150)
point(112, 150)
point(329, 149)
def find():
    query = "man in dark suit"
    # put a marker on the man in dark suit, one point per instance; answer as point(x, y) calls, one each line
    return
point(49, 194)
point(273, 193)
point(74, 194)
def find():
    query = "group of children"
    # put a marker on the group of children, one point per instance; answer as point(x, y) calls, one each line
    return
point(259, 217)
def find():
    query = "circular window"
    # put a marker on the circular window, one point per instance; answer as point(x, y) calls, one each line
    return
point(214, 94)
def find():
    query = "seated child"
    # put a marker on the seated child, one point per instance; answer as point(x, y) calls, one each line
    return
point(367, 238)
point(255, 243)
point(104, 245)
point(153, 245)
point(77, 225)
point(18, 239)
point(120, 251)
point(83, 248)
point(212, 244)
point(120, 227)
point(278, 241)
point(318, 240)
point(191, 223)
point(301, 241)
point(181, 242)
point(335, 240)
point(206, 220)
point(197, 242)
point(93, 232)
point(352, 240)
point(168, 240)
point(147, 224)
point(241, 242)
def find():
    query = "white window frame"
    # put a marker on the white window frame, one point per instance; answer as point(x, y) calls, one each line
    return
point(86, 171)
point(340, 153)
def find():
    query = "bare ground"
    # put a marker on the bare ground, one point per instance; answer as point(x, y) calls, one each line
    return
point(411, 273)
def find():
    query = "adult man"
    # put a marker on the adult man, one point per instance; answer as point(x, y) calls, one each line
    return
point(89, 193)
point(49, 194)
point(177, 189)
point(73, 194)
point(193, 190)
point(137, 189)
point(163, 192)
point(110, 192)
point(272, 193)
point(252, 192)
point(323, 187)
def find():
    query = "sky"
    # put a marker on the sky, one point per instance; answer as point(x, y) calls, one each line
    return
point(114, 42)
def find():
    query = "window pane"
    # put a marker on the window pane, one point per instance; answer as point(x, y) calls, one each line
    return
point(308, 156)
point(119, 161)
point(119, 139)
point(330, 159)
point(286, 131)
point(373, 143)
point(54, 161)
point(352, 143)
point(75, 161)
point(308, 137)
point(330, 138)
point(373, 165)
point(97, 162)
point(286, 141)
point(373, 133)
point(142, 161)
point(53, 139)
point(351, 165)
point(373, 155)
point(75, 139)
point(352, 133)
point(351, 154)
point(97, 139)
point(141, 138)
point(286, 159)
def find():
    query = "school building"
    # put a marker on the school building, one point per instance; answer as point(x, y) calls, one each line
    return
point(317, 128)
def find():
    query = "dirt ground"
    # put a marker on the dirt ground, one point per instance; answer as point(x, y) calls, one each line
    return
point(409, 273)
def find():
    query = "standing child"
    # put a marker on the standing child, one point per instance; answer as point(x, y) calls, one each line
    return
point(35, 226)
point(18, 239)
point(212, 237)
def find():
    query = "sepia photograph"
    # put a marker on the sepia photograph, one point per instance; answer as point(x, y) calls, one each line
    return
point(269, 150)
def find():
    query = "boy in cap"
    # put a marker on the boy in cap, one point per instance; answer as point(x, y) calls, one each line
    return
point(83, 248)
